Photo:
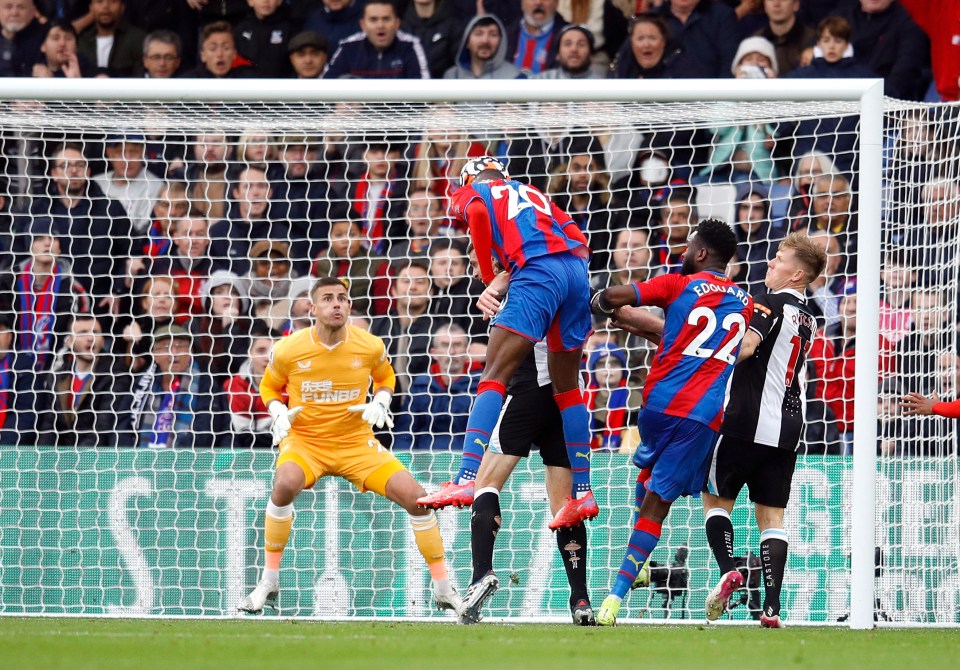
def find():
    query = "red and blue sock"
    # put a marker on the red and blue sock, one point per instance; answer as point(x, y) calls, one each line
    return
point(643, 540)
point(480, 425)
point(641, 492)
point(576, 433)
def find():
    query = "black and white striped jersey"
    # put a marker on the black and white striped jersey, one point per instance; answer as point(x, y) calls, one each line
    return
point(768, 390)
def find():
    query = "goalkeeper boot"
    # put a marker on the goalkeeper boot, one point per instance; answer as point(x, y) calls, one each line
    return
point(582, 613)
point(477, 593)
point(719, 597)
point(449, 600)
point(458, 495)
point(265, 593)
point(643, 577)
point(771, 621)
point(609, 608)
point(575, 512)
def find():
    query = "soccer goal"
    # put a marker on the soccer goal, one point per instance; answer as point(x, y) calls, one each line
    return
point(194, 214)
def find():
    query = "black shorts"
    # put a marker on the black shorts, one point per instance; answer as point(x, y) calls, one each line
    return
point(766, 471)
point(531, 419)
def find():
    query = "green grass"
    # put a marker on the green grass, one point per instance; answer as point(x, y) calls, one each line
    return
point(111, 644)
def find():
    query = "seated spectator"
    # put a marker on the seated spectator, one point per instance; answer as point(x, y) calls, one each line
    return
point(335, 20)
point(270, 271)
point(308, 53)
point(787, 32)
point(756, 243)
point(920, 350)
point(43, 294)
point(60, 57)
point(254, 148)
point(806, 169)
point(437, 159)
point(171, 403)
point(437, 405)
point(575, 46)
point(375, 194)
point(18, 411)
point(826, 290)
point(455, 291)
point(581, 188)
point(188, 263)
point(380, 50)
point(678, 217)
point(218, 55)
point(262, 37)
point(155, 302)
point(128, 181)
point(706, 33)
point(406, 330)
point(206, 174)
point(162, 50)
point(299, 306)
point(644, 54)
point(75, 406)
point(223, 332)
point(21, 34)
point(249, 417)
point(887, 41)
point(348, 259)
point(607, 396)
point(832, 209)
point(530, 37)
point(424, 217)
point(250, 219)
point(483, 52)
point(111, 43)
point(439, 28)
point(170, 206)
point(630, 261)
point(898, 278)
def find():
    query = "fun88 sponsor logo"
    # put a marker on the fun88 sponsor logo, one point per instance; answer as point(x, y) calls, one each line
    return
point(323, 392)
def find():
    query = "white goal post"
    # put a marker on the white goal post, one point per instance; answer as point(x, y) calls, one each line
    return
point(395, 108)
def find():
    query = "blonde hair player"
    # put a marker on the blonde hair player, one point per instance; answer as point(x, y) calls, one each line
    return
point(327, 430)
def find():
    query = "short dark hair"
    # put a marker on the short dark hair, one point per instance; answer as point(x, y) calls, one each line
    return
point(214, 28)
point(65, 26)
point(421, 263)
point(718, 238)
point(836, 26)
point(652, 19)
point(380, 2)
point(328, 281)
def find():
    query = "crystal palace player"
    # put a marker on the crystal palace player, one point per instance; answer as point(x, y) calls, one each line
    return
point(763, 423)
point(326, 371)
point(683, 396)
point(546, 257)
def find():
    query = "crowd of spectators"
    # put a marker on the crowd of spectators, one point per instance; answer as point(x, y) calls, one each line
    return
point(143, 278)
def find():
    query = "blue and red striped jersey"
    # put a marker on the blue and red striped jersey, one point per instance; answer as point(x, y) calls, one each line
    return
point(524, 223)
point(706, 319)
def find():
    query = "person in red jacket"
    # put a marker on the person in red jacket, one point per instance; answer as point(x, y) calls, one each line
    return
point(249, 417)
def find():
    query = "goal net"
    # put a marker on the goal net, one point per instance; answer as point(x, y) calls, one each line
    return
point(154, 248)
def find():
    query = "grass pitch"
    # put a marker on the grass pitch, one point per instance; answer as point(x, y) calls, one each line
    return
point(112, 644)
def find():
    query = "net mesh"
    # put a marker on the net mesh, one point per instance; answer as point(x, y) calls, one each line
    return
point(215, 218)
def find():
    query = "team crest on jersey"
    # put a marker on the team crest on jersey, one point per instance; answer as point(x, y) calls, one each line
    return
point(357, 362)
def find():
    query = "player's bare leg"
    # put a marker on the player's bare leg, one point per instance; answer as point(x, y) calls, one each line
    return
point(719, 530)
point(773, 557)
point(404, 490)
point(572, 545)
point(505, 351)
point(565, 372)
point(287, 485)
point(643, 540)
point(485, 521)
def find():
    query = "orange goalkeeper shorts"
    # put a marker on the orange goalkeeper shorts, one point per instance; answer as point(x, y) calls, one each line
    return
point(366, 463)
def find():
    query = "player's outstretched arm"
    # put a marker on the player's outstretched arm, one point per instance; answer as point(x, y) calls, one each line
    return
point(641, 322)
point(914, 404)
point(605, 302)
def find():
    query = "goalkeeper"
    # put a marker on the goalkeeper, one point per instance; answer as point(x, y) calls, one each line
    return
point(326, 429)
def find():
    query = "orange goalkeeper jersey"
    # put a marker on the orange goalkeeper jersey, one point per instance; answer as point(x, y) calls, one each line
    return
point(326, 381)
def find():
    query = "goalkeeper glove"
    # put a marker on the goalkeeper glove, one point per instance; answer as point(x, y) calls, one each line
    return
point(596, 305)
point(283, 418)
point(376, 412)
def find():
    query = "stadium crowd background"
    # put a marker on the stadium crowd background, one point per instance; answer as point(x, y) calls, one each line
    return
point(144, 277)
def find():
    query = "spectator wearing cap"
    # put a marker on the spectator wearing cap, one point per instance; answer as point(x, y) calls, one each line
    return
point(707, 34)
point(115, 46)
point(789, 35)
point(172, 403)
point(222, 333)
point(263, 35)
point(887, 41)
point(93, 231)
point(380, 50)
point(308, 53)
point(348, 259)
point(437, 27)
point(162, 51)
point(43, 294)
point(128, 181)
point(249, 417)
point(336, 20)
point(250, 219)
point(218, 55)
point(483, 52)
point(575, 48)
point(21, 35)
point(530, 39)
point(59, 54)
